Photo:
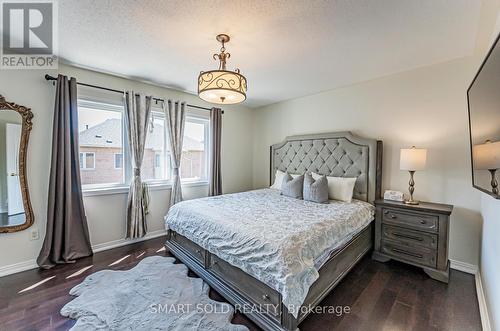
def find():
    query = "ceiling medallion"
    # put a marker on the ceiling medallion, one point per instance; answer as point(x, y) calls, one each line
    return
point(222, 86)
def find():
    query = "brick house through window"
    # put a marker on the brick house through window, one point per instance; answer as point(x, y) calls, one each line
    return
point(104, 140)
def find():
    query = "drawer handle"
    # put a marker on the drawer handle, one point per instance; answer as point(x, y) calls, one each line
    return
point(393, 216)
point(198, 251)
point(423, 222)
point(407, 253)
point(386, 212)
point(265, 297)
point(407, 236)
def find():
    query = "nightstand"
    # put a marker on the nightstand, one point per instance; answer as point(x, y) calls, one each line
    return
point(413, 234)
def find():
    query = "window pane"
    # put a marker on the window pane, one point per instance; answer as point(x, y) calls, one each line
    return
point(153, 163)
point(193, 163)
point(100, 139)
point(118, 161)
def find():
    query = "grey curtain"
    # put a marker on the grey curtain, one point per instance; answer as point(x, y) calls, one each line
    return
point(215, 177)
point(175, 118)
point(67, 234)
point(137, 113)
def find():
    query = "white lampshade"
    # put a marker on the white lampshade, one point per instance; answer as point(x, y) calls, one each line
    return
point(222, 87)
point(486, 156)
point(413, 159)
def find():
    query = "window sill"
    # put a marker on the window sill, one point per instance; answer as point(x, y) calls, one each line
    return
point(88, 192)
point(125, 188)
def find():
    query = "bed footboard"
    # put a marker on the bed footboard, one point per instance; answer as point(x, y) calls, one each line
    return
point(255, 299)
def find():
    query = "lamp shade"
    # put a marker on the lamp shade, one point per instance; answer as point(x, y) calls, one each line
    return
point(486, 156)
point(413, 159)
point(222, 87)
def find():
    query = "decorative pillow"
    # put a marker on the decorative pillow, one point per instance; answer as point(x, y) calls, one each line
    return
point(292, 187)
point(278, 179)
point(339, 188)
point(315, 190)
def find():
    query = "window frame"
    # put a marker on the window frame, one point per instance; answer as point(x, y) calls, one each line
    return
point(205, 120)
point(154, 184)
point(108, 106)
point(157, 112)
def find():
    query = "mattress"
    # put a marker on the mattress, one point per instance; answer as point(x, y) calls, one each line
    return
point(279, 240)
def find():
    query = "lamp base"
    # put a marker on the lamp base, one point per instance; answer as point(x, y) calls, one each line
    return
point(410, 201)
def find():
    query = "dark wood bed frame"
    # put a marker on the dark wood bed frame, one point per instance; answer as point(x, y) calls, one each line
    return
point(255, 299)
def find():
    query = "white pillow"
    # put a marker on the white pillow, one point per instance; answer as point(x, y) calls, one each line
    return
point(278, 179)
point(339, 188)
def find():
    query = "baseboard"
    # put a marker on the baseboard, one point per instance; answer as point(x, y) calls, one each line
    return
point(464, 267)
point(483, 306)
point(122, 242)
point(31, 264)
point(481, 299)
point(17, 267)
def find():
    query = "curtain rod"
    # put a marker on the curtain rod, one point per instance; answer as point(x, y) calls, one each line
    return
point(49, 78)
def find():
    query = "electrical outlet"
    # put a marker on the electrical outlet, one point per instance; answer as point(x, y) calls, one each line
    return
point(34, 234)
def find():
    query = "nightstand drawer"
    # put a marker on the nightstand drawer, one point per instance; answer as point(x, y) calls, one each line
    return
point(422, 256)
point(410, 220)
point(409, 237)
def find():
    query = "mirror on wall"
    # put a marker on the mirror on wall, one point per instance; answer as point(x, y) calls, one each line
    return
point(15, 207)
point(484, 120)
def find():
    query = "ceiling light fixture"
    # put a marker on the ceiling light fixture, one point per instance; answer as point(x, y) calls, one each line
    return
point(222, 86)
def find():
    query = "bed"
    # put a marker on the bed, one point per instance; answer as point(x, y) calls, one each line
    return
point(273, 256)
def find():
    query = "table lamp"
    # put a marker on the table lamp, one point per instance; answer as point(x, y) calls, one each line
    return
point(487, 157)
point(412, 159)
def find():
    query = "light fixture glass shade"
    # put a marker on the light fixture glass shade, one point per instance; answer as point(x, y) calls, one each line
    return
point(222, 87)
point(486, 156)
point(413, 159)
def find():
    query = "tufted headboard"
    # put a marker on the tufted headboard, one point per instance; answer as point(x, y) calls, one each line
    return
point(338, 154)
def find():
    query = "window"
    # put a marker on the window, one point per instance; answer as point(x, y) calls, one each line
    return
point(154, 161)
point(87, 161)
point(194, 159)
point(118, 160)
point(101, 143)
point(103, 147)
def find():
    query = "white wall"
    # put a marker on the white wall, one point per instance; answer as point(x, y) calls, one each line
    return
point(106, 214)
point(426, 107)
point(490, 244)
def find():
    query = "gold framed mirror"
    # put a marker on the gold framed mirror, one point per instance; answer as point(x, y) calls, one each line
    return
point(16, 213)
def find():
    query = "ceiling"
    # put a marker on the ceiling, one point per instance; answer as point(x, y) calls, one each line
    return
point(285, 48)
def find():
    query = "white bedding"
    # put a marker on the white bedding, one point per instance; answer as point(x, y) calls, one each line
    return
point(276, 239)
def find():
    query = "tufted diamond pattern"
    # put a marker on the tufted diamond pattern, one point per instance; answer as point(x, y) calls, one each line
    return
point(337, 157)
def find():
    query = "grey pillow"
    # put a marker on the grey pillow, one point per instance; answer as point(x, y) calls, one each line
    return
point(315, 190)
point(292, 187)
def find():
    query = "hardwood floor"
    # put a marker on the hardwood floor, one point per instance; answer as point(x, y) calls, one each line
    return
point(390, 296)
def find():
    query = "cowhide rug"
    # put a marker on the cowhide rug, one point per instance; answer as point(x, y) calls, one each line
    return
point(154, 295)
